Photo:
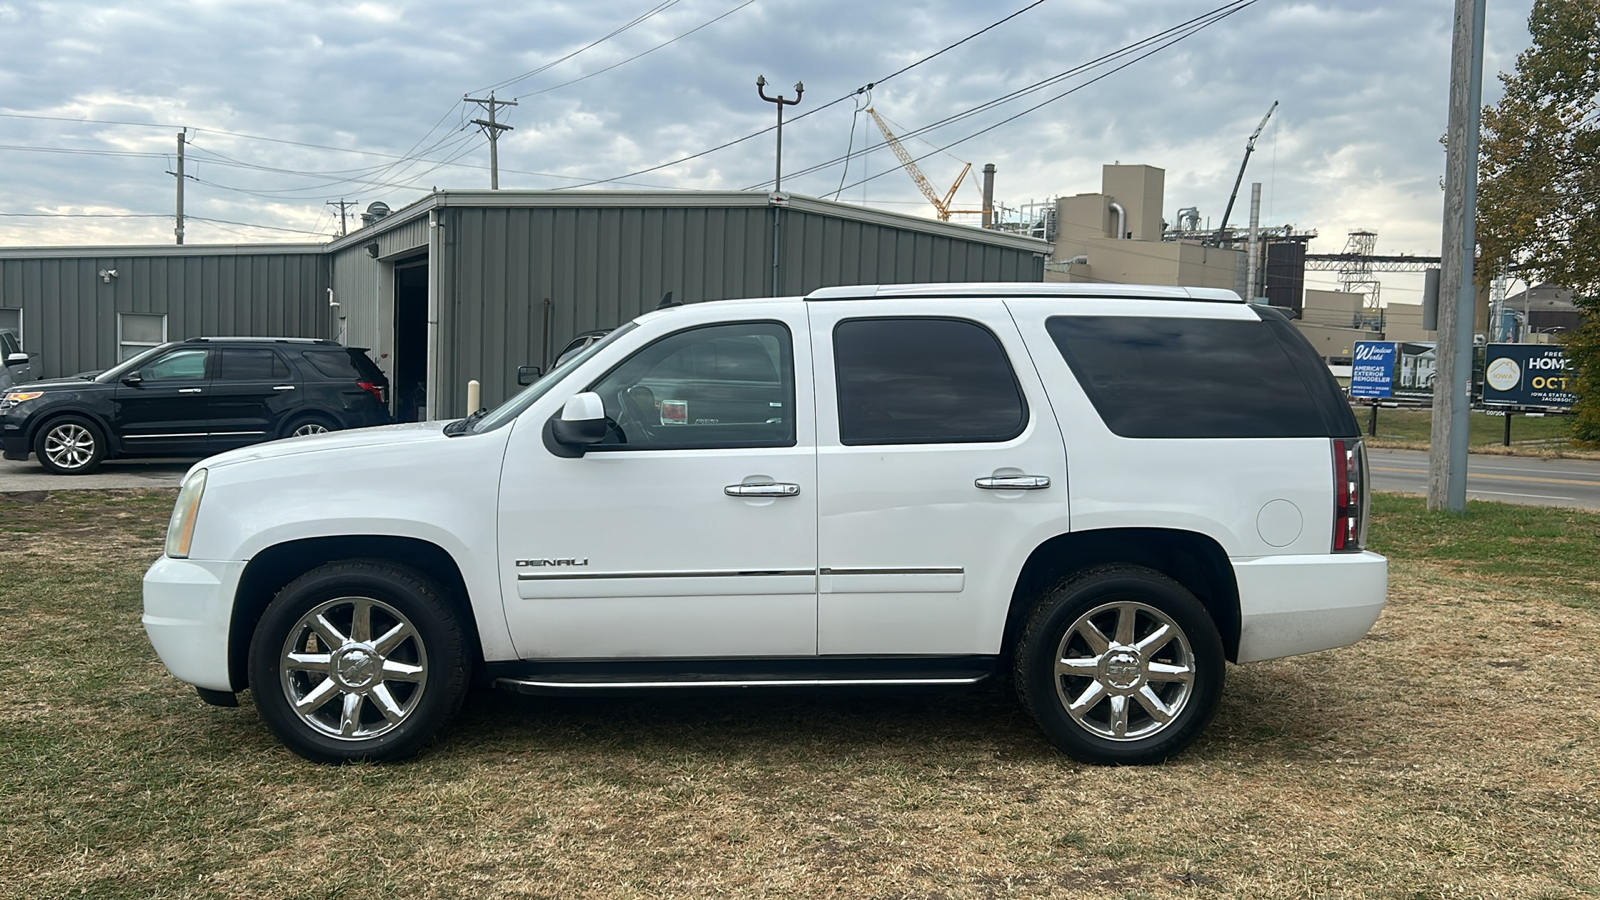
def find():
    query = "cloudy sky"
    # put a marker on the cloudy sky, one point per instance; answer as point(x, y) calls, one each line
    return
point(288, 105)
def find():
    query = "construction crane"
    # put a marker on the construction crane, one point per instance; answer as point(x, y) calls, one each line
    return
point(1249, 148)
point(941, 205)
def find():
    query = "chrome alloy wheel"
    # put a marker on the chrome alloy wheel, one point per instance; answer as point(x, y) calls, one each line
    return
point(310, 428)
point(69, 445)
point(1124, 671)
point(353, 668)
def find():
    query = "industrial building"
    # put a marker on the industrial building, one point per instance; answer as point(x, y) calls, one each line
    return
point(472, 284)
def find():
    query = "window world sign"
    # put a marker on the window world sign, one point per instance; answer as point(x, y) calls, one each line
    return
point(1372, 369)
point(1527, 375)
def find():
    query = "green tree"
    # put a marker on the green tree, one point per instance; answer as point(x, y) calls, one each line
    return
point(1539, 178)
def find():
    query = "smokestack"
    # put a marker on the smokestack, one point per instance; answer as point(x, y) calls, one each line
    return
point(988, 195)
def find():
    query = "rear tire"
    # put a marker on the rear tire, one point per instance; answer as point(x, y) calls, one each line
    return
point(303, 426)
point(1120, 665)
point(70, 445)
point(358, 660)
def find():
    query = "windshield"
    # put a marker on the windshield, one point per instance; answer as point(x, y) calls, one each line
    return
point(512, 408)
point(116, 372)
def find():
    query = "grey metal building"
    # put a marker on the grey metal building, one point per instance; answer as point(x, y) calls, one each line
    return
point(472, 284)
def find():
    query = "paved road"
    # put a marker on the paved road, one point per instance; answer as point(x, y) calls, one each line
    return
point(116, 473)
point(1507, 479)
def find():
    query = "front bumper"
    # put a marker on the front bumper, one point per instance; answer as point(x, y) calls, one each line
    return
point(188, 606)
point(1301, 604)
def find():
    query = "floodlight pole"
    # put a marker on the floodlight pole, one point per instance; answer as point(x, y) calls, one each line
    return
point(1447, 450)
point(761, 88)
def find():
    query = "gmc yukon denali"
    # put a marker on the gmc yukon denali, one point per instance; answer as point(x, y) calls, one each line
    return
point(1105, 493)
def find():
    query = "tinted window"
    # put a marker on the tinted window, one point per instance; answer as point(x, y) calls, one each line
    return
point(924, 381)
point(344, 364)
point(179, 365)
point(1187, 378)
point(721, 386)
point(249, 364)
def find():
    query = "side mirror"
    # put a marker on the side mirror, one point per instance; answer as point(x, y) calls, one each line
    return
point(582, 421)
point(17, 359)
point(133, 378)
point(527, 375)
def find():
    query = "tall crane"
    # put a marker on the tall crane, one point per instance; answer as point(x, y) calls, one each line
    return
point(941, 205)
point(1249, 148)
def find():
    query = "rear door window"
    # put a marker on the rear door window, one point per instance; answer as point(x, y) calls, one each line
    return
point(924, 381)
point(250, 364)
point(1154, 377)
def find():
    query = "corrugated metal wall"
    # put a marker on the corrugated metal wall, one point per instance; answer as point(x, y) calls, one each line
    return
point(355, 288)
point(601, 267)
point(70, 313)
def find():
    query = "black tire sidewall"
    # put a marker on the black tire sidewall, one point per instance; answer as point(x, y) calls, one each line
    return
point(83, 422)
point(412, 595)
point(1034, 668)
point(308, 419)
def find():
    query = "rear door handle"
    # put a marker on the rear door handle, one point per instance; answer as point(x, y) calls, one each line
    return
point(283, 387)
point(767, 489)
point(189, 390)
point(1014, 483)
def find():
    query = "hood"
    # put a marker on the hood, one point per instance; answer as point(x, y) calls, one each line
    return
point(53, 384)
point(382, 435)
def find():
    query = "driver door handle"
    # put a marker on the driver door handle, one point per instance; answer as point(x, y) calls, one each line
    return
point(1014, 483)
point(767, 489)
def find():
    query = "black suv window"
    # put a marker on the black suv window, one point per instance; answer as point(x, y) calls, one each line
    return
point(344, 364)
point(251, 364)
point(718, 386)
point(187, 364)
point(1187, 378)
point(924, 381)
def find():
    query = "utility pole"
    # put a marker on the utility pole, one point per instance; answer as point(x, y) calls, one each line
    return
point(179, 174)
point(1447, 454)
point(492, 128)
point(343, 205)
point(761, 88)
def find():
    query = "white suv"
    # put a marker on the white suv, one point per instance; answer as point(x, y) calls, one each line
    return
point(1104, 492)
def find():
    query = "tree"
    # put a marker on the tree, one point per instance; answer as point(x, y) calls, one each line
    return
point(1539, 184)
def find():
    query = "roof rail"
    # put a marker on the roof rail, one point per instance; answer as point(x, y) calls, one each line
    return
point(263, 340)
point(1026, 289)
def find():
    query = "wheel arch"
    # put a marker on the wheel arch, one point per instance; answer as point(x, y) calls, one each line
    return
point(274, 567)
point(1194, 560)
point(45, 420)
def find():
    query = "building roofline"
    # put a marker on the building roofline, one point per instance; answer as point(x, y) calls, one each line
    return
point(146, 250)
point(680, 200)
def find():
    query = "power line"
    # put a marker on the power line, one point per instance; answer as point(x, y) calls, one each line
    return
point(1188, 26)
point(638, 55)
point(649, 14)
point(814, 111)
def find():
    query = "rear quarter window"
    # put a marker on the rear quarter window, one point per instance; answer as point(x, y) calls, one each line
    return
point(1154, 377)
point(344, 364)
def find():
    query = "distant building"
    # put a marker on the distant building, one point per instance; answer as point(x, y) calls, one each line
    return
point(1549, 307)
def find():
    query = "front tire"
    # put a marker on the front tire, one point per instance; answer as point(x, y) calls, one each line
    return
point(70, 445)
point(358, 660)
point(1120, 665)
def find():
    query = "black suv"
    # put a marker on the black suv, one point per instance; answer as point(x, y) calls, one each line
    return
point(193, 398)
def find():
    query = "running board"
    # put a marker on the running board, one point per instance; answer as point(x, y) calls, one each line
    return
point(556, 684)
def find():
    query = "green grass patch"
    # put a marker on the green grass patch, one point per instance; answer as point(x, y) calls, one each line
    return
point(1414, 426)
point(1550, 550)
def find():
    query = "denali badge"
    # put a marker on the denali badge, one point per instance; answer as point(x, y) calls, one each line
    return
point(565, 561)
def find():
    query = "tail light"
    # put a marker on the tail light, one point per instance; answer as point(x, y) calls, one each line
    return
point(1350, 496)
point(373, 388)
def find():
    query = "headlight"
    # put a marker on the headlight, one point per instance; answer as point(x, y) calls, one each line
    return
point(15, 397)
point(180, 529)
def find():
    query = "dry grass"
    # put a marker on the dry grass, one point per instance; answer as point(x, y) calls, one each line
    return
point(1453, 753)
